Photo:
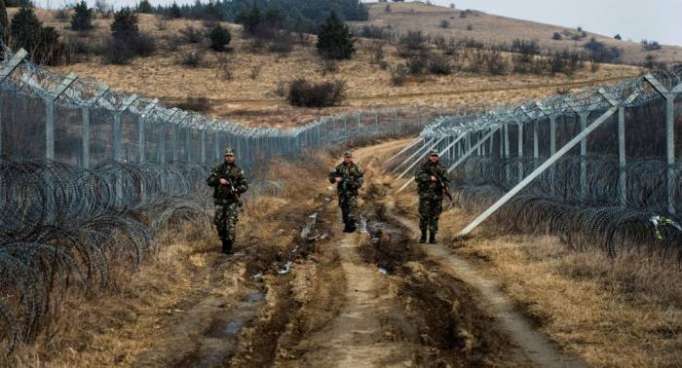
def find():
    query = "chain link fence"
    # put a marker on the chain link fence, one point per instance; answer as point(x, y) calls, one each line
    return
point(599, 167)
point(89, 176)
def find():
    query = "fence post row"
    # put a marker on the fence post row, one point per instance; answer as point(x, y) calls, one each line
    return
point(550, 161)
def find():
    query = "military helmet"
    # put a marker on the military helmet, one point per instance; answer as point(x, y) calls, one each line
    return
point(229, 151)
point(433, 153)
point(348, 154)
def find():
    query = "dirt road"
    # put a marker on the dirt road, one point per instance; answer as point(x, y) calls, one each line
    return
point(323, 298)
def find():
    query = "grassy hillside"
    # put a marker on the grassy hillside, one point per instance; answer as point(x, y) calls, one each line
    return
point(493, 29)
point(246, 84)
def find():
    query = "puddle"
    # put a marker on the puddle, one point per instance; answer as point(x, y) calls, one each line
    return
point(255, 297)
point(233, 327)
point(286, 269)
point(229, 325)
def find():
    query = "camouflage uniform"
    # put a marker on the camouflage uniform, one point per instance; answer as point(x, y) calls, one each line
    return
point(227, 201)
point(351, 180)
point(430, 197)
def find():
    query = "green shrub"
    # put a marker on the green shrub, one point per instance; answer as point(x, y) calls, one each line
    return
point(335, 40)
point(220, 38)
point(308, 94)
point(81, 20)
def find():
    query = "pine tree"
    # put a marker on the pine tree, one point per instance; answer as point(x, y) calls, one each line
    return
point(335, 40)
point(174, 11)
point(145, 7)
point(82, 17)
point(125, 26)
point(18, 3)
point(250, 19)
point(25, 29)
point(4, 23)
point(220, 38)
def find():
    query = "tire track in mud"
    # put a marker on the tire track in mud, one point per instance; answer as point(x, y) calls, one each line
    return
point(355, 337)
point(530, 343)
point(202, 329)
point(393, 308)
point(369, 299)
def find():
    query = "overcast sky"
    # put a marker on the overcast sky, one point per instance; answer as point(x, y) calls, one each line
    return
point(659, 20)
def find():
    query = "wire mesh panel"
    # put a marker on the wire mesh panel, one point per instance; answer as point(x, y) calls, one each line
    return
point(101, 136)
point(23, 125)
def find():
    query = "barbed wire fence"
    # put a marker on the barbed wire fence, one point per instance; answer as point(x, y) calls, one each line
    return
point(599, 167)
point(89, 175)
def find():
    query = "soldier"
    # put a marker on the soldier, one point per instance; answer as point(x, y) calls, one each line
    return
point(229, 184)
point(348, 178)
point(432, 184)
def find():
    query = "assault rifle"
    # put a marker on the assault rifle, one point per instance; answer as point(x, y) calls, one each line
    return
point(229, 185)
point(446, 190)
point(346, 180)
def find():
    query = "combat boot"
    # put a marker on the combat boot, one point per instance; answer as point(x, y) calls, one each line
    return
point(227, 246)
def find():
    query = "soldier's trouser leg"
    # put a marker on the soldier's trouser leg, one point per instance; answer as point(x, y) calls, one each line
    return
point(226, 218)
point(436, 209)
point(348, 205)
point(424, 214)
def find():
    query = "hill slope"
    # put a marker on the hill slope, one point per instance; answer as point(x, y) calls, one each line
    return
point(493, 29)
point(245, 84)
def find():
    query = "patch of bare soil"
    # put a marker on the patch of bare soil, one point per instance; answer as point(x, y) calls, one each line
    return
point(439, 314)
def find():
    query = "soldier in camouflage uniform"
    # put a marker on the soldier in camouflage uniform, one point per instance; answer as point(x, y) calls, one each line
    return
point(432, 182)
point(348, 178)
point(229, 184)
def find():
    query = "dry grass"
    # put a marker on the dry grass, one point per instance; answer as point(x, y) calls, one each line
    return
point(136, 320)
point(494, 29)
point(623, 312)
point(243, 98)
point(113, 328)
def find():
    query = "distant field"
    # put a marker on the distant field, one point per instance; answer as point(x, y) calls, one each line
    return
point(490, 28)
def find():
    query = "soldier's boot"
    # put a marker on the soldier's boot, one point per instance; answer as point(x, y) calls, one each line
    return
point(351, 225)
point(432, 237)
point(227, 246)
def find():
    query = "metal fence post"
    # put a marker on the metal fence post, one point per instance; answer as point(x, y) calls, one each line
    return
point(669, 96)
point(520, 149)
point(507, 153)
point(50, 119)
point(203, 146)
point(670, 148)
point(622, 160)
point(49, 129)
point(552, 151)
point(188, 144)
point(85, 138)
point(174, 143)
point(583, 156)
point(536, 143)
point(141, 140)
point(216, 144)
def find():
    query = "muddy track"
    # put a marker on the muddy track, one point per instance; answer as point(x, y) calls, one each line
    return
point(374, 298)
point(536, 346)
